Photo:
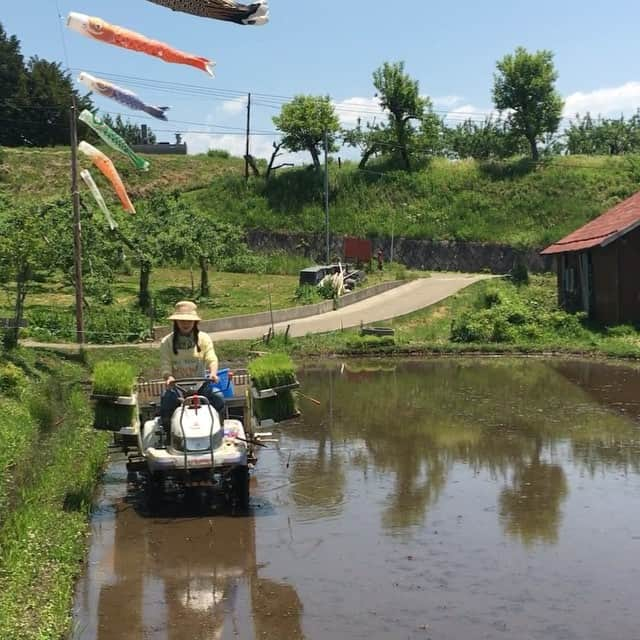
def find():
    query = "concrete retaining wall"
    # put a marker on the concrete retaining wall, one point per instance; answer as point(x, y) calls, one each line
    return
point(429, 255)
point(283, 315)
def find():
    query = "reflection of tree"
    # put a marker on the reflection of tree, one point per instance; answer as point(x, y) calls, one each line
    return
point(531, 509)
point(418, 420)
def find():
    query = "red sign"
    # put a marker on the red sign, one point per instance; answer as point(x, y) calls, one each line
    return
point(357, 249)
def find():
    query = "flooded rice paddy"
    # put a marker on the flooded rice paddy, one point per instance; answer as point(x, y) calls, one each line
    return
point(446, 499)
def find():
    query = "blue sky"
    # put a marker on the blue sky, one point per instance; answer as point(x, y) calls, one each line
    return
point(332, 47)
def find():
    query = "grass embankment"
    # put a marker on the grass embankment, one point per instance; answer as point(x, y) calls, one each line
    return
point(46, 173)
point(50, 460)
point(513, 202)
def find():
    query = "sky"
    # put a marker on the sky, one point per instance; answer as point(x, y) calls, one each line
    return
point(332, 47)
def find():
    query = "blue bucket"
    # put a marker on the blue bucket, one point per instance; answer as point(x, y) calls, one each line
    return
point(224, 383)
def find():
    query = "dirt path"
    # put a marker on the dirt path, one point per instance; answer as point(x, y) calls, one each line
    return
point(410, 297)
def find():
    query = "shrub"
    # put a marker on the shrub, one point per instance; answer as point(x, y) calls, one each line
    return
point(520, 274)
point(12, 379)
point(491, 297)
point(244, 262)
point(307, 294)
point(401, 273)
point(218, 153)
point(326, 290)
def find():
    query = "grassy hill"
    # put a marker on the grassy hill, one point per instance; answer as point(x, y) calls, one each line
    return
point(46, 174)
point(513, 202)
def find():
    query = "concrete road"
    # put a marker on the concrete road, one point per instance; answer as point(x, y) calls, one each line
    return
point(416, 294)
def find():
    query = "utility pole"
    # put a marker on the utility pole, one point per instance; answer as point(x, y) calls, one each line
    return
point(326, 189)
point(77, 227)
point(246, 153)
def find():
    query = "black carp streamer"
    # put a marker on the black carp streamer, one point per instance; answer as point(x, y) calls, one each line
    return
point(256, 13)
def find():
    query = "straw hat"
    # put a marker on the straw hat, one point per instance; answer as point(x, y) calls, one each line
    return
point(185, 310)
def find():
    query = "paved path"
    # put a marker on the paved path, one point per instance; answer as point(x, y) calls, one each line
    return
point(415, 295)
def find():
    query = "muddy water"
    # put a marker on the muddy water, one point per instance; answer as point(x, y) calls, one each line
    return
point(449, 499)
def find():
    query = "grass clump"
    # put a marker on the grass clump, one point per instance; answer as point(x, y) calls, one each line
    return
point(364, 344)
point(270, 371)
point(112, 378)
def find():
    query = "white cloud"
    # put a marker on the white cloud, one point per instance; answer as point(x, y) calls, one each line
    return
point(468, 111)
point(349, 110)
point(445, 102)
point(234, 107)
point(260, 146)
point(607, 102)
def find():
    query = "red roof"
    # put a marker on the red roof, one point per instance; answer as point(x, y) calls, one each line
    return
point(603, 230)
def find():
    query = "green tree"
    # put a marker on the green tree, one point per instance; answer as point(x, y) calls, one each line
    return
point(400, 97)
point(151, 234)
point(13, 91)
point(29, 243)
point(524, 85)
point(603, 136)
point(50, 96)
point(374, 139)
point(303, 123)
point(486, 140)
point(131, 132)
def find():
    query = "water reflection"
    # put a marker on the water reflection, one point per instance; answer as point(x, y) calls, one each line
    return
point(523, 422)
point(183, 577)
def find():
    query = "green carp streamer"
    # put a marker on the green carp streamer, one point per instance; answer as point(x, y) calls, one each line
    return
point(113, 139)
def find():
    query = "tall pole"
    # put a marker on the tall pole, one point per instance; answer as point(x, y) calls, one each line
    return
point(393, 228)
point(326, 189)
point(246, 153)
point(77, 228)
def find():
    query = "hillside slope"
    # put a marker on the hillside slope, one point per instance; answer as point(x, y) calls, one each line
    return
point(513, 202)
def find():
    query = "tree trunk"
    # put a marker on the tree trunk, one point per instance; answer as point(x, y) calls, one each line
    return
point(365, 157)
point(144, 296)
point(204, 277)
point(534, 149)
point(316, 158)
point(11, 336)
point(251, 161)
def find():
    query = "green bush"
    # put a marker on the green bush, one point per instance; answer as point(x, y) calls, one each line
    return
point(326, 290)
point(103, 325)
point(285, 264)
point(520, 274)
point(622, 331)
point(218, 153)
point(507, 313)
point(12, 380)
point(307, 294)
point(401, 273)
point(244, 262)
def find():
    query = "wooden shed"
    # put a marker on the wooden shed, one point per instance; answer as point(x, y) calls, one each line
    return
point(598, 265)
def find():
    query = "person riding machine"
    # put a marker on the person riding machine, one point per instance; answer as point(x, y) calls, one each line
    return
point(187, 353)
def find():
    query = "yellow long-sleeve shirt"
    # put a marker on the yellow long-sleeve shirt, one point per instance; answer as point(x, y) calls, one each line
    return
point(188, 362)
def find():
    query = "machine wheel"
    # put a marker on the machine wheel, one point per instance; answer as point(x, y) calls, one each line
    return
point(153, 492)
point(240, 491)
